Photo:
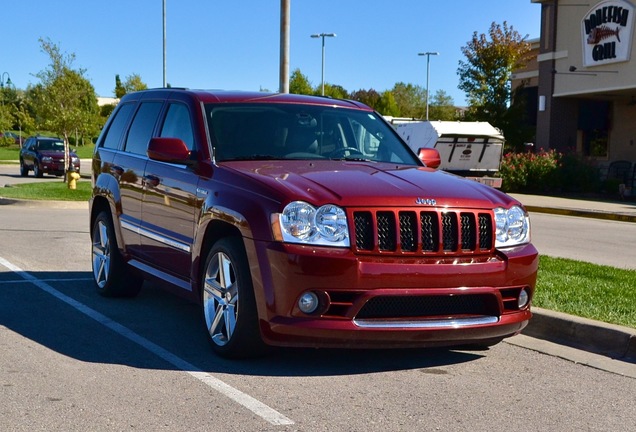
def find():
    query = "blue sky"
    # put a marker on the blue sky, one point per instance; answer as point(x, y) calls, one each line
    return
point(225, 44)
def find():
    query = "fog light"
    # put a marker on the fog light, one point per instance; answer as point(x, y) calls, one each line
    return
point(522, 302)
point(308, 302)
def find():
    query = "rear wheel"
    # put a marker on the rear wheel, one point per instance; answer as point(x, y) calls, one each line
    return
point(228, 303)
point(112, 278)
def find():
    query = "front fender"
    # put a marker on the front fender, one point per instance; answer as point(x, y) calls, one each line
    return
point(106, 187)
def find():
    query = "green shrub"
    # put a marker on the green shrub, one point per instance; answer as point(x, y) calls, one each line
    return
point(548, 172)
point(7, 142)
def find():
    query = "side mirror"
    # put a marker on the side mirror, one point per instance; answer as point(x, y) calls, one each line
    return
point(430, 157)
point(172, 150)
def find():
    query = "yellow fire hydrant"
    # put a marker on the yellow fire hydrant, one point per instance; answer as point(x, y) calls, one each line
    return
point(72, 177)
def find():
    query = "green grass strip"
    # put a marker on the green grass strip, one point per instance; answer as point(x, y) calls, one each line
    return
point(592, 291)
point(54, 190)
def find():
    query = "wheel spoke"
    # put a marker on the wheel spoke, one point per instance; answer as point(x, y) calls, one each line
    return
point(213, 289)
point(225, 271)
point(230, 319)
point(218, 315)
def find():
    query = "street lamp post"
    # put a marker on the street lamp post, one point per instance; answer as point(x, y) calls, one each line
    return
point(4, 82)
point(323, 36)
point(164, 42)
point(428, 55)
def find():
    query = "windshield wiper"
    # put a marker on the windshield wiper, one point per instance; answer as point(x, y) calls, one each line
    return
point(353, 159)
point(253, 157)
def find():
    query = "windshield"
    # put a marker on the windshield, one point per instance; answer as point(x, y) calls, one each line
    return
point(51, 145)
point(295, 131)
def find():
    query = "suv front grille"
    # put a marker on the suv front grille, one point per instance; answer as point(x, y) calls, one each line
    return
point(426, 232)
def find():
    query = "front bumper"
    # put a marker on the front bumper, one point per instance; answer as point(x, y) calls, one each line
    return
point(371, 301)
point(57, 167)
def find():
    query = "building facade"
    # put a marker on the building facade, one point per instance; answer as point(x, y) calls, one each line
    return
point(586, 95)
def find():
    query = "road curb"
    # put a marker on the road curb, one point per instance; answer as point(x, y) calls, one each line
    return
point(582, 213)
point(610, 340)
point(45, 203)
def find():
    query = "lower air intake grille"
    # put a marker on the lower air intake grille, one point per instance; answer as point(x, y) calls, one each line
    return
point(429, 306)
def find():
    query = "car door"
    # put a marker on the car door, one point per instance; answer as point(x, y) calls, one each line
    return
point(170, 200)
point(128, 167)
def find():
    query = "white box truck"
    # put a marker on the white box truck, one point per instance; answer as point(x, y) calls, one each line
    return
point(469, 149)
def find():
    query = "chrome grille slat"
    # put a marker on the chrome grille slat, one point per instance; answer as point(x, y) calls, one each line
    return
point(428, 232)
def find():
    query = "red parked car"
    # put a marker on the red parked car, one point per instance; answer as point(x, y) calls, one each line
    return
point(45, 155)
point(303, 221)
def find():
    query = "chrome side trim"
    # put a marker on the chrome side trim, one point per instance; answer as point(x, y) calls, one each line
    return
point(151, 235)
point(427, 324)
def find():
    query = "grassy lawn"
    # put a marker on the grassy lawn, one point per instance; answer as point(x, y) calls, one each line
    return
point(13, 153)
point(587, 290)
point(54, 190)
point(10, 154)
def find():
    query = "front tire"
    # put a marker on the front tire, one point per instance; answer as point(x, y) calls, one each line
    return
point(24, 171)
point(112, 278)
point(37, 172)
point(228, 303)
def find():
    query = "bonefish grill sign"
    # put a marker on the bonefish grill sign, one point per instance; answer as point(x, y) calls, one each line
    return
point(606, 32)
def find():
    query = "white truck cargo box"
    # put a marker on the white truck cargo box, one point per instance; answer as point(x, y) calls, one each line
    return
point(472, 149)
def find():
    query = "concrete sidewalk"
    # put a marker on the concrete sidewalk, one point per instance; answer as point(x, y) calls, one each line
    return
point(624, 211)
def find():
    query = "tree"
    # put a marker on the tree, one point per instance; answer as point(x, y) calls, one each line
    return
point(334, 91)
point(132, 84)
point(120, 90)
point(485, 75)
point(410, 100)
point(387, 106)
point(6, 118)
point(442, 107)
point(66, 100)
point(299, 84)
point(368, 97)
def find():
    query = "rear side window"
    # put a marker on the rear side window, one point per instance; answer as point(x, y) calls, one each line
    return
point(116, 129)
point(178, 124)
point(142, 127)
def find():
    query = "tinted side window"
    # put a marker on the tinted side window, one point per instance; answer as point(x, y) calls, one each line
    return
point(142, 127)
point(178, 124)
point(116, 129)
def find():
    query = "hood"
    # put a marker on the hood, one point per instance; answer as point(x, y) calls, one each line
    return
point(363, 184)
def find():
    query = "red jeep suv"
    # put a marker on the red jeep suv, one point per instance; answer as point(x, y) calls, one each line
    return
point(302, 221)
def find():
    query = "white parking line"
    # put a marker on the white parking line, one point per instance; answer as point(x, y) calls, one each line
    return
point(268, 414)
point(48, 280)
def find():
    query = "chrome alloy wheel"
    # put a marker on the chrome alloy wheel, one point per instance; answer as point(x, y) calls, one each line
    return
point(101, 254)
point(220, 298)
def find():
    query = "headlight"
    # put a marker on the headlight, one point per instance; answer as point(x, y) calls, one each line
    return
point(513, 226)
point(75, 159)
point(301, 222)
point(47, 159)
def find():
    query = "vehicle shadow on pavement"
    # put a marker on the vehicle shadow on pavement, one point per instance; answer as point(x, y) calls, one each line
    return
point(62, 312)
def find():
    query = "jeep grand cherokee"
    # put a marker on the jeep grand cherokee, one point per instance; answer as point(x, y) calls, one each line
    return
point(302, 221)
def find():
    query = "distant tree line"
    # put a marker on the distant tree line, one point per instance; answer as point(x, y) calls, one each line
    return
point(403, 100)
